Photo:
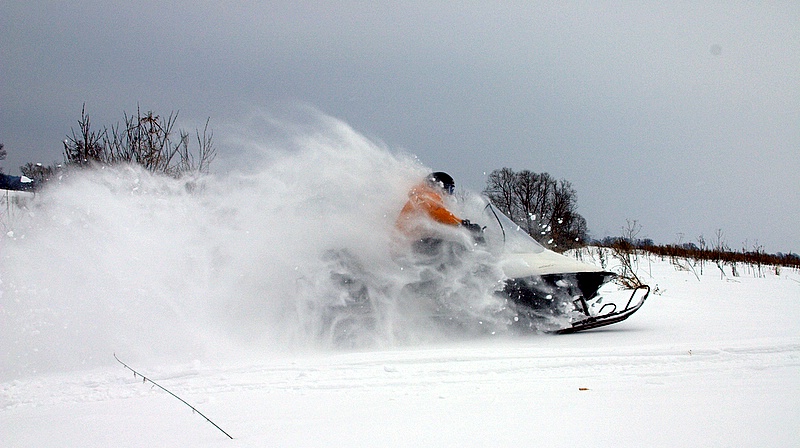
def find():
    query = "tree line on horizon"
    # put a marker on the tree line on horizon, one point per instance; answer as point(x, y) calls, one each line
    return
point(545, 207)
point(718, 254)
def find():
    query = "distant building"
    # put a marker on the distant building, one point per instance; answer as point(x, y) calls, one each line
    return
point(16, 183)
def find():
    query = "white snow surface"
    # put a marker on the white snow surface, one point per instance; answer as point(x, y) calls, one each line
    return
point(706, 363)
point(204, 288)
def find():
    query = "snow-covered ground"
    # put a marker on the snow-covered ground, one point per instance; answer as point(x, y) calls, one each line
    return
point(209, 289)
point(713, 362)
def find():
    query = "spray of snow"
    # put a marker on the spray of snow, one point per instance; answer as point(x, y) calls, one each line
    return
point(119, 260)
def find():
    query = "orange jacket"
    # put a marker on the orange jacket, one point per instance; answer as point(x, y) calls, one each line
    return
point(424, 202)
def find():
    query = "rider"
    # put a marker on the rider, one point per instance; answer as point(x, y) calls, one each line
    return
point(426, 204)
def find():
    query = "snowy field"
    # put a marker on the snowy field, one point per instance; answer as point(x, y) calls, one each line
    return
point(713, 362)
point(209, 289)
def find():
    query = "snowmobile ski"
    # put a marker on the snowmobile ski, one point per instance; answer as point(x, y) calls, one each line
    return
point(612, 317)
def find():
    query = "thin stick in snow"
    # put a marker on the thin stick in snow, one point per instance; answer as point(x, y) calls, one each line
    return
point(148, 380)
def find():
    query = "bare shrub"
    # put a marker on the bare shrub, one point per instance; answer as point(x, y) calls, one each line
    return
point(147, 139)
point(627, 254)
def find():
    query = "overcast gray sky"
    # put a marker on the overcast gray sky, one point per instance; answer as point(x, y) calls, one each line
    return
point(684, 116)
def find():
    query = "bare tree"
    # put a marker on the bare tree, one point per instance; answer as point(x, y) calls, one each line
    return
point(84, 147)
point(701, 241)
point(625, 251)
point(564, 222)
point(543, 206)
point(719, 249)
point(206, 152)
point(533, 193)
point(500, 190)
point(147, 140)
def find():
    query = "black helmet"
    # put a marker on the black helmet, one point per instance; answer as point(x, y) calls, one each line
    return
point(442, 180)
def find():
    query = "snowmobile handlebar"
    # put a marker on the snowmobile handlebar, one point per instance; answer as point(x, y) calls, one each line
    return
point(475, 230)
point(471, 226)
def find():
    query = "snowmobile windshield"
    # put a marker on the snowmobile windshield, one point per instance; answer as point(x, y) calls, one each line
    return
point(500, 233)
point(514, 238)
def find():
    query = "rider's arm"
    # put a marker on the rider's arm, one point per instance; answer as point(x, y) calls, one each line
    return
point(432, 204)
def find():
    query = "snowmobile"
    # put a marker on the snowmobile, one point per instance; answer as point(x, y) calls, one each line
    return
point(547, 286)
point(541, 290)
